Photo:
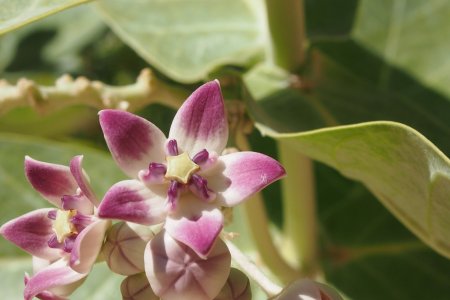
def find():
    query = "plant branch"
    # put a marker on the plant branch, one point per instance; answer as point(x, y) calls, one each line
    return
point(287, 33)
point(299, 209)
point(67, 91)
point(270, 288)
point(258, 223)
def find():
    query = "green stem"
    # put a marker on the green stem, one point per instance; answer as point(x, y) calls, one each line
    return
point(269, 287)
point(258, 224)
point(287, 33)
point(299, 209)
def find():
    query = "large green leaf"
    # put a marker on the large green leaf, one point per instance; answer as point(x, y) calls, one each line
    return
point(404, 30)
point(18, 197)
point(409, 34)
point(187, 39)
point(21, 12)
point(366, 252)
point(57, 39)
point(407, 173)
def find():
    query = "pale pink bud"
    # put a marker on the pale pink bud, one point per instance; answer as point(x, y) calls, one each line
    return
point(237, 287)
point(176, 272)
point(124, 247)
point(136, 287)
point(307, 289)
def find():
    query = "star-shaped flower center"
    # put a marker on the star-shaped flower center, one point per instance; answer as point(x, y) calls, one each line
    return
point(180, 168)
point(63, 226)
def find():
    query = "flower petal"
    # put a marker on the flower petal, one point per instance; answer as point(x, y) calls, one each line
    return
point(201, 123)
point(88, 245)
point(31, 232)
point(81, 179)
point(176, 272)
point(239, 175)
point(79, 202)
point(45, 295)
point(131, 200)
point(133, 141)
point(54, 279)
point(195, 224)
point(52, 181)
point(39, 263)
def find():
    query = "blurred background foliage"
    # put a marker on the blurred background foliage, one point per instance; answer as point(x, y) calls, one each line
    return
point(366, 60)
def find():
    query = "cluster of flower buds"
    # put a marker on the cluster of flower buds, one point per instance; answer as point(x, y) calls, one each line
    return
point(167, 241)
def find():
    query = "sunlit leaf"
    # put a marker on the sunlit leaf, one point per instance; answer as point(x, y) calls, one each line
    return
point(366, 252)
point(410, 34)
point(407, 173)
point(21, 12)
point(188, 39)
point(57, 40)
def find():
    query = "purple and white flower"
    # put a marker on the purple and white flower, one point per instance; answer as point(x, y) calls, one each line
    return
point(65, 240)
point(182, 180)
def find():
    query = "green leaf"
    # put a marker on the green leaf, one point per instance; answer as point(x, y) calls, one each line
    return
point(66, 33)
point(366, 252)
point(407, 173)
point(188, 39)
point(402, 31)
point(18, 13)
point(411, 35)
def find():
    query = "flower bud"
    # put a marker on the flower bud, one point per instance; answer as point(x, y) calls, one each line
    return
point(124, 247)
point(306, 289)
point(176, 272)
point(237, 287)
point(136, 287)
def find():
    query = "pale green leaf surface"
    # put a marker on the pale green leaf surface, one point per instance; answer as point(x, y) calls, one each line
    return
point(411, 35)
point(14, 14)
point(73, 30)
point(187, 39)
point(366, 252)
point(408, 174)
point(402, 31)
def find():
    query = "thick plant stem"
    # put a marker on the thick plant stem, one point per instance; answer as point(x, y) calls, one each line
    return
point(258, 224)
point(299, 209)
point(68, 91)
point(270, 288)
point(286, 32)
point(287, 35)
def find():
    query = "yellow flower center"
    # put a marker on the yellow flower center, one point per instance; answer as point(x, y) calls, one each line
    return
point(62, 226)
point(180, 168)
